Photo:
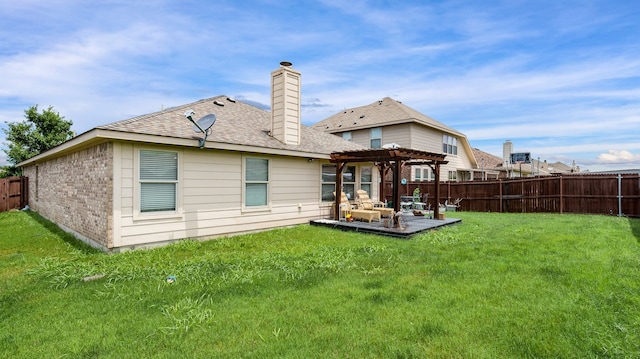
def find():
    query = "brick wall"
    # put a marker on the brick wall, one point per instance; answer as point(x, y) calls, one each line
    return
point(76, 192)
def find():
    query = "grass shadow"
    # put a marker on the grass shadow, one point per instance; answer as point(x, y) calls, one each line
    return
point(634, 223)
point(65, 236)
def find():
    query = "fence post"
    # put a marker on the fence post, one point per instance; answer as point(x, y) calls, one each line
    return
point(619, 195)
point(500, 185)
point(560, 194)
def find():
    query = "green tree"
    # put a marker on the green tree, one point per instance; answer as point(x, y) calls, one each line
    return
point(38, 133)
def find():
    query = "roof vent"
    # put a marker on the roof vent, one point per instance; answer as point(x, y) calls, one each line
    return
point(285, 64)
point(216, 102)
point(361, 116)
point(231, 99)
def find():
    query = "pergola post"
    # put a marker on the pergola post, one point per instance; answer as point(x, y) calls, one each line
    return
point(382, 168)
point(396, 185)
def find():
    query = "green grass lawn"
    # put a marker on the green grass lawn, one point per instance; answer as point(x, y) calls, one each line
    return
point(494, 286)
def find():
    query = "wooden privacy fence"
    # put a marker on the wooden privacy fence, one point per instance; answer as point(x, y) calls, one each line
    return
point(592, 194)
point(13, 193)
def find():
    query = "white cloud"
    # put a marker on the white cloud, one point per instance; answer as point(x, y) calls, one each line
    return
point(619, 157)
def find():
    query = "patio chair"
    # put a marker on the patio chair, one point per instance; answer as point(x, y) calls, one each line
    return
point(345, 207)
point(361, 214)
point(364, 202)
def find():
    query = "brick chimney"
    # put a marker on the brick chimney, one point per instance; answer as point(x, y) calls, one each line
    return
point(285, 104)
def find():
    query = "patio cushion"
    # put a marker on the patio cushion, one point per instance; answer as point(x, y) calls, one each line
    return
point(364, 214)
point(364, 202)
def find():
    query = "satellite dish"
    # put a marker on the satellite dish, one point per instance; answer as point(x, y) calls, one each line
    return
point(204, 124)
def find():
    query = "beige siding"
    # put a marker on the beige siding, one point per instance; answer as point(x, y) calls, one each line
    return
point(294, 181)
point(361, 137)
point(400, 134)
point(285, 103)
point(426, 139)
point(211, 193)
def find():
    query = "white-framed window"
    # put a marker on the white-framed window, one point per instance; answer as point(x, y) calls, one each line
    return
point(450, 144)
point(256, 182)
point(366, 179)
point(429, 175)
point(158, 181)
point(347, 136)
point(376, 137)
point(329, 182)
point(453, 175)
point(349, 181)
point(423, 174)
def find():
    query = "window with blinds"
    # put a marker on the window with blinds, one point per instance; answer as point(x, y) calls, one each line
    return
point(158, 180)
point(256, 181)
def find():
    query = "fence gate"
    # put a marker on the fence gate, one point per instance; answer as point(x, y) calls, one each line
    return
point(13, 193)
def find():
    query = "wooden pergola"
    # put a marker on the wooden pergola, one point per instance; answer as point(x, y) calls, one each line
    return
point(385, 159)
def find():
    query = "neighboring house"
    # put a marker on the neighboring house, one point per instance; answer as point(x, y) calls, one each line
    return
point(557, 167)
point(490, 166)
point(389, 122)
point(144, 181)
point(535, 168)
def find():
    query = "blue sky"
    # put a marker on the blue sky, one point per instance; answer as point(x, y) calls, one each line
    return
point(560, 79)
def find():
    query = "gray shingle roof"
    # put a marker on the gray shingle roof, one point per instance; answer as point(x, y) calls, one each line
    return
point(236, 123)
point(490, 161)
point(379, 113)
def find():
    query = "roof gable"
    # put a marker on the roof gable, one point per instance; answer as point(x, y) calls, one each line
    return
point(380, 113)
